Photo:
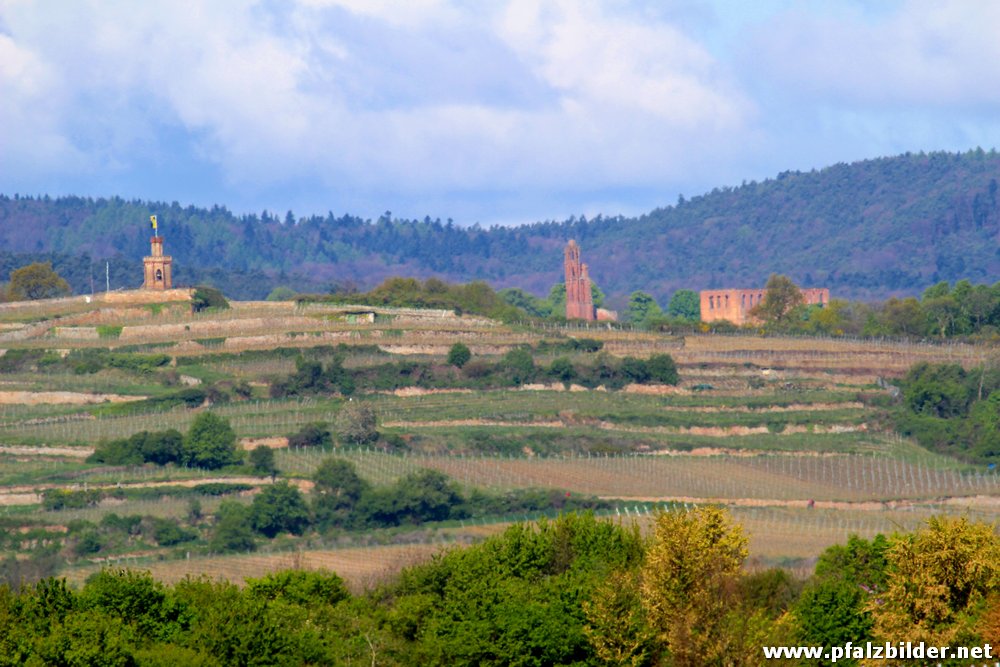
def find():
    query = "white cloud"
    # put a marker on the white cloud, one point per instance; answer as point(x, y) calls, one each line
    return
point(598, 58)
point(377, 100)
point(919, 54)
point(31, 101)
point(583, 92)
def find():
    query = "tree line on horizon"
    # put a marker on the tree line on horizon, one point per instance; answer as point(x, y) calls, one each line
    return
point(884, 226)
point(942, 311)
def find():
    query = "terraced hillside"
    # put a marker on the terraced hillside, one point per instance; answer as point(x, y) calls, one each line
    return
point(790, 432)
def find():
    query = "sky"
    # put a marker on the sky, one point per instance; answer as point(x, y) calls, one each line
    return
point(490, 112)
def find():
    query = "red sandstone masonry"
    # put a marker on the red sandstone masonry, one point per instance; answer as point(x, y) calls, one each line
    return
point(734, 305)
point(579, 301)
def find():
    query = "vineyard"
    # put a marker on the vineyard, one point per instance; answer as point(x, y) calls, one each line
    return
point(789, 432)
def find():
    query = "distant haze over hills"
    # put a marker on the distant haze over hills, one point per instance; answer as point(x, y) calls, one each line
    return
point(871, 229)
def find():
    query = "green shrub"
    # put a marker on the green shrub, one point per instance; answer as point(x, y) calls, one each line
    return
point(109, 330)
point(206, 297)
point(589, 345)
point(314, 434)
point(279, 508)
point(662, 369)
point(210, 443)
point(59, 499)
point(298, 587)
point(160, 447)
point(88, 543)
point(221, 488)
point(167, 532)
point(459, 355)
point(262, 461)
point(14, 361)
point(636, 370)
point(562, 369)
point(518, 365)
point(233, 529)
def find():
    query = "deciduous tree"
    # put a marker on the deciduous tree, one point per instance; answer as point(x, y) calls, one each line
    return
point(459, 355)
point(262, 461)
point(210, 443)
point(642, 307)
point(279, 508)
point(337, 489)
point(685, 304)
point(357, 424)
point(939, 578)
point(688, 583)
point(36, 281)
point(781, 300)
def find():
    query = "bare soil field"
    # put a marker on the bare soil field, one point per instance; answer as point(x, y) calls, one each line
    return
point(61, 398)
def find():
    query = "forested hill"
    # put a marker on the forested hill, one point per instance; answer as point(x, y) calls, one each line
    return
point(866, 230)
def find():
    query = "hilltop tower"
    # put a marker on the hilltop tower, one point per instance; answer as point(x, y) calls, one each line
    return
point(156, 267)
point(579, 300)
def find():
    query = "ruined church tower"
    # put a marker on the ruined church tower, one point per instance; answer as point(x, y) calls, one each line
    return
point(579, 300)
point(156, 267)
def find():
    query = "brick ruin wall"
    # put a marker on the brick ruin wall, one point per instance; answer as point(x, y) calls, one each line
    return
point(579, 301)
point(734, 305)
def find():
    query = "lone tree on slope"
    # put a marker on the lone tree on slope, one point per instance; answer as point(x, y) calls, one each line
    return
point(36, 281)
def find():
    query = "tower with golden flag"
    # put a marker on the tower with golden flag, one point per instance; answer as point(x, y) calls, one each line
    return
point(156, 266)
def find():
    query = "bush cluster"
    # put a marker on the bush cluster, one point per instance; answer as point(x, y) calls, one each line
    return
point(952, 410)
point(342, 499)
point(210, 443)
point(476, 297)
point(515, 368)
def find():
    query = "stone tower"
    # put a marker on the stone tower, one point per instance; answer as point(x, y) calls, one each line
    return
point(579, 300)
point(156, 267)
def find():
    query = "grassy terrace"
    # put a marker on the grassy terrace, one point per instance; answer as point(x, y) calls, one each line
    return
point(77, 425)
point(783, 478)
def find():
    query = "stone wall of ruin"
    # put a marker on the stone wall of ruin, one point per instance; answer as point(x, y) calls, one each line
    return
point(734, 305)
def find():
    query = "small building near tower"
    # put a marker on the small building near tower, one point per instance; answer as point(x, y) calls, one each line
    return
point(156, 266)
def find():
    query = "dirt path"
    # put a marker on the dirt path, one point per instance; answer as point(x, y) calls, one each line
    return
point(61, 398)
point(794, 407)
point(473, 422)
point(84, 452)
point(73, 452)
point(747, 453)
point(713, 431)
point(26, 494)
point(867, 505)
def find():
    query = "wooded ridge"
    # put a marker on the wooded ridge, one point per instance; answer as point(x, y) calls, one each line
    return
point(871, 229)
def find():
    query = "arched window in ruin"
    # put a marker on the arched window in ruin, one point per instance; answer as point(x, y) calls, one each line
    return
point(159, 275)
point(727, 301)
point(743, 300)
point(711, 303)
